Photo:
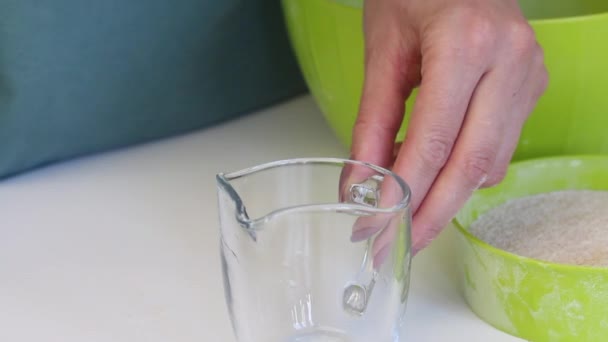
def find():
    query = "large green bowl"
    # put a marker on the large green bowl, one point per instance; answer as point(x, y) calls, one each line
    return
point(571, 117)
point(534, 300)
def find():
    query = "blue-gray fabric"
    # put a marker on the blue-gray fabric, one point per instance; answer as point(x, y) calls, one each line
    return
point(79, 77)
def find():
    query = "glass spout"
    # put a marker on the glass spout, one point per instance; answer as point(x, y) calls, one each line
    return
point(228, 196)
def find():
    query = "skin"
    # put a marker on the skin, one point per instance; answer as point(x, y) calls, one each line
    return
point(480, 72)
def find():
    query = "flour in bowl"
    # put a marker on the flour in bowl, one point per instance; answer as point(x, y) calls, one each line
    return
point(566, 227)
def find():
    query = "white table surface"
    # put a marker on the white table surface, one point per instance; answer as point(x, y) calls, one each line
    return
point(123, 247)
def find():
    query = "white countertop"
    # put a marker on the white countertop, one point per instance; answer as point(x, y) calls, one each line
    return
point(120, 246)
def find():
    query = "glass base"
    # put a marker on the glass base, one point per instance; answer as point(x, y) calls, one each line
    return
point(319, 335)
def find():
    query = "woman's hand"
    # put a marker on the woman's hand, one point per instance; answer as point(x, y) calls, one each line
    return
point(479, 71)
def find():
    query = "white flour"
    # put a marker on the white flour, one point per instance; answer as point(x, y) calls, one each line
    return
point(567, 227)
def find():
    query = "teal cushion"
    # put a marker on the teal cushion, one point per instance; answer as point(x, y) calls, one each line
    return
point(79, 77)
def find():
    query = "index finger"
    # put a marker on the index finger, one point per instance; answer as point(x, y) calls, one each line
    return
point(381, 110)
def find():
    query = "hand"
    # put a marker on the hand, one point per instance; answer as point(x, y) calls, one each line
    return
point(479, 70)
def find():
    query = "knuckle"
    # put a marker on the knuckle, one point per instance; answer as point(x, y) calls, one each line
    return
point(477, 166)
point(467, 34)
point(377, 56)
point(539, 55)
point(383, 53)
point(521, 38)
point(372, 130)
point(435, 149)
point(479, 32)
point(544, 81)
point(540, 69)
point(541, 80)
point(393, 64)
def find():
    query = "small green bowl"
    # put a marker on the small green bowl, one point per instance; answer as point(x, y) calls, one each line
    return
point(570, 118)
point(531, 299)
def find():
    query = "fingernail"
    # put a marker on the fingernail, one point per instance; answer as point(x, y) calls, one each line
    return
point(482, 181)
point(419, 246)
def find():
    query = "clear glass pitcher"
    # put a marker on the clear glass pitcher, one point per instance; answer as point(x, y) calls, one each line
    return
point(315, 250)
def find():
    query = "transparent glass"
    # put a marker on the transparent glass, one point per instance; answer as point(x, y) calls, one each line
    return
point(315, 250)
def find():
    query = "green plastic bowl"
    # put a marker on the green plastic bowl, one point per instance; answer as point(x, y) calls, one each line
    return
point(531, 299)
point(571, 117)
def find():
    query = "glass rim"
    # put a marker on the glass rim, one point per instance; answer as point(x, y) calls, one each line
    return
point(224, 179)
point(557, 19)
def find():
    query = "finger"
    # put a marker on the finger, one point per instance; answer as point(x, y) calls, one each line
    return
point(389, 195)
point(381, 111)
point(384, 242)
point(507, 147)
point(436, 120)
point(383, 227)
point(385, 192)
point(391, 223)
point(360, 173)
point(505, 153)
point(387, 84)
point(447, 86)
point(533, 87)
point(365, 227)
point(474, 154)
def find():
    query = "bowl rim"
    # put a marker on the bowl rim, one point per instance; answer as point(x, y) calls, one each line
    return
point(569, 19)
point(539, 21)
point(528, 260)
